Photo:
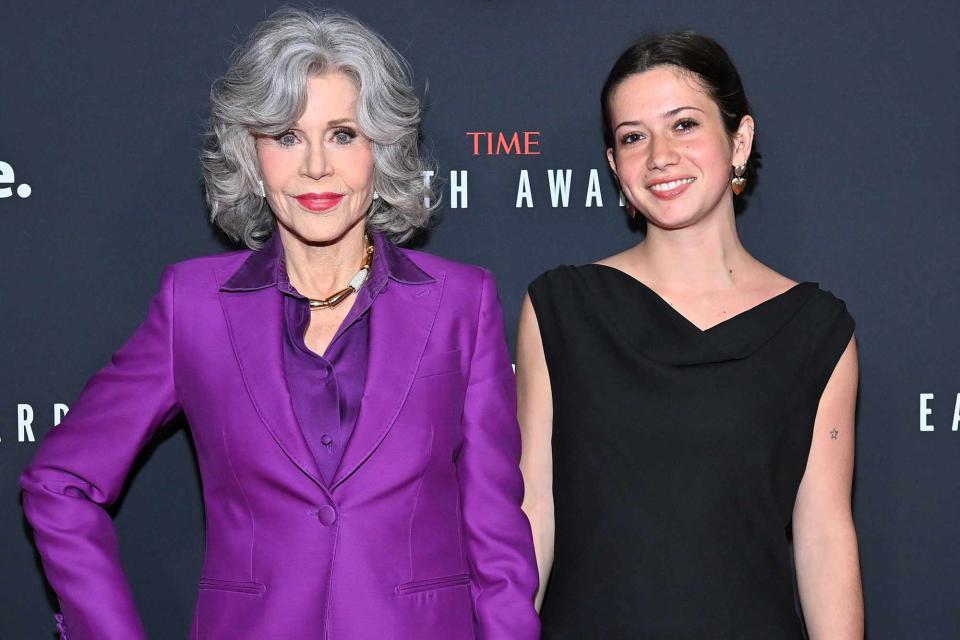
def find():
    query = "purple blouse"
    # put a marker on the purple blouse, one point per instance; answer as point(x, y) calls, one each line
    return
point(325, 389)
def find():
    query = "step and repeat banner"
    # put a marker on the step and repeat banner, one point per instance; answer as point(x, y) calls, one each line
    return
point(102, 107)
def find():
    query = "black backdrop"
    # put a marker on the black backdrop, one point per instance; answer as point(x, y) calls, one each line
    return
point(101, 111)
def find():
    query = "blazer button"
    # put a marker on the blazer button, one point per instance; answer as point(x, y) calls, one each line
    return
point(327, 515)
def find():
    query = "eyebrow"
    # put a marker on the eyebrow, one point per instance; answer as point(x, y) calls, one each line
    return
point(330, 123)
point(667, 114)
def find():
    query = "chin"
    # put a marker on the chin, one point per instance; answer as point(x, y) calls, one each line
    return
point(677, 219)
point(670, 224)
point(318, 229)
point(678, 215)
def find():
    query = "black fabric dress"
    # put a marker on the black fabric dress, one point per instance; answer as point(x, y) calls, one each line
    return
point(677, 456)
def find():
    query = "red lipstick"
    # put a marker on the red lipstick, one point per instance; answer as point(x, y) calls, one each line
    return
point(319, 202)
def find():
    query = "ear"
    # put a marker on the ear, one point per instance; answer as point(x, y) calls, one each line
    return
point(743, 141)
point(612, 161)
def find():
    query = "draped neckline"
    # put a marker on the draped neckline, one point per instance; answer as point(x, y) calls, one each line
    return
point(660, 332)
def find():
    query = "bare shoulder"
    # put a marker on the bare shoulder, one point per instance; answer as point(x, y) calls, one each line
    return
point(767, 282)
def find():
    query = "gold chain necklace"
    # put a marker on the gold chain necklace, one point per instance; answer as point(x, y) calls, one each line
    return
point(354, 285)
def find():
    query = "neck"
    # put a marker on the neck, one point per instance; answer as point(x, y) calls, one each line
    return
point(317, 271)
point(704, 256)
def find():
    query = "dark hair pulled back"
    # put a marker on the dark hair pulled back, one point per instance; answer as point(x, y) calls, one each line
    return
point(698, 55)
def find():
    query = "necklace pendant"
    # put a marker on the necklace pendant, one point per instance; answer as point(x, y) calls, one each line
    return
point(317, 304)
point(355, 283)
point(338, 297)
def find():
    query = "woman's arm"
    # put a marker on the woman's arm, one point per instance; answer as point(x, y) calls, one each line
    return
point(497, 535)
point(535, 412)
point(81, 467)
point(824, 537)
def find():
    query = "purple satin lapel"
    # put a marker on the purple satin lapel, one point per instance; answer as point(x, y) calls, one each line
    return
point(255, 323)
point(400, 323)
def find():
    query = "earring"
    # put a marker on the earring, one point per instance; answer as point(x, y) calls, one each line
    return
point(631, 210)
point(260, 190)
point(376, 196)
point(738, 182)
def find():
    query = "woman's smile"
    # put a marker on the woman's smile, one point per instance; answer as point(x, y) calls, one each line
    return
point(670, 189)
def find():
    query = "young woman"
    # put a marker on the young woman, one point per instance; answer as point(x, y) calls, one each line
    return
point(685, 409)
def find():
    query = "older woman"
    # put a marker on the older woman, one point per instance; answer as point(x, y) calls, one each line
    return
point(351, 402)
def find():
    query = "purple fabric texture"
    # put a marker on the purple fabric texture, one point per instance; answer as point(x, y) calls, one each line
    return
point(325, 389)
point(419, 534)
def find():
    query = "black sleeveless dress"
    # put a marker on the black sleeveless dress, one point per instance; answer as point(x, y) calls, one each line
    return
point(677, 456)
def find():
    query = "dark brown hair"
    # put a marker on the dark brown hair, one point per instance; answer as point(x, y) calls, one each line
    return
point(698, 55)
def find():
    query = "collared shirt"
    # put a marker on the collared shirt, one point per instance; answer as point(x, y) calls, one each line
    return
point(326, 390)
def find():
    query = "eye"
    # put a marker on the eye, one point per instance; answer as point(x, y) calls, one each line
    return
point(344, 135)
point(630, 138)
point(286, 139)
point(686, 124)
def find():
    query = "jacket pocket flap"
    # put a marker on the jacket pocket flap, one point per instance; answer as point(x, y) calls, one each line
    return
point(433, 583)
point(253, 588)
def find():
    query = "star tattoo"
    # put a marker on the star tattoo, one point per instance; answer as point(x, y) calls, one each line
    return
point(834, 434)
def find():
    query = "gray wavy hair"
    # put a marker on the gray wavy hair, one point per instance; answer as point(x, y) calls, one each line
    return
point(264, 93)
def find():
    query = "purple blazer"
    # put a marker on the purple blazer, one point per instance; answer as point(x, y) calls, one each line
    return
point(419, 536)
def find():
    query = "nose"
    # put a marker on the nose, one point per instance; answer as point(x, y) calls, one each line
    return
point(662, 153)
point(316, 164)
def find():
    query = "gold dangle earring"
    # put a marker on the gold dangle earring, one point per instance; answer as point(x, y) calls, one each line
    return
point(738, 182)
